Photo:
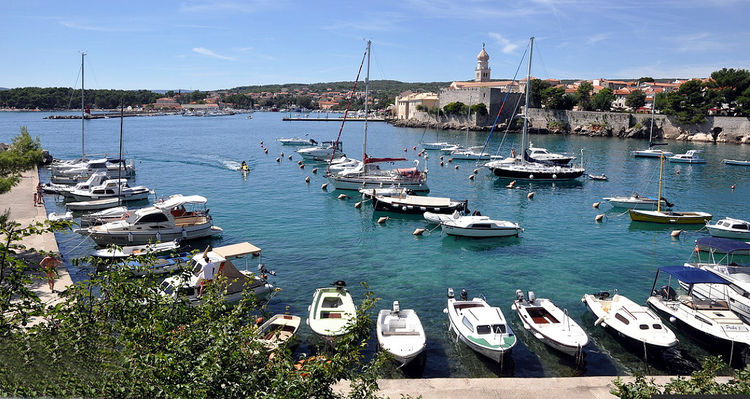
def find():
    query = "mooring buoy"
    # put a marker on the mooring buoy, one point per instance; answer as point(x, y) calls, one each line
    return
point(383, 219)
point(324, 186)
point(307, 179)
point(676, 233)
point(530, 195)
point(418, 232)
point(595, 205)
point(342, 196)
point(471, 177)
point(315, 170)
point(599, 217)
point(278, 159)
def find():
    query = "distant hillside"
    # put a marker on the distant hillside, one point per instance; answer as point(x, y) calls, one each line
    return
point(391, 87)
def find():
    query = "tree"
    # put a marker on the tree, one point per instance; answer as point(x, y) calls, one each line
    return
point(456, 108)
point(555, 98)
point(635, 99)
point(583, 96)
point(602, 100)
point(535, 97)
point(645, 79)
point(729, 84)
point(479, 109)
point(23, 154)
point(690, 103)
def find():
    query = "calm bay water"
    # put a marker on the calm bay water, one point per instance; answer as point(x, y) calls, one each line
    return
point(312, 239)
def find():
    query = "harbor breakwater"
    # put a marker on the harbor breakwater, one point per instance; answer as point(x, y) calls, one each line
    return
point(721, 129)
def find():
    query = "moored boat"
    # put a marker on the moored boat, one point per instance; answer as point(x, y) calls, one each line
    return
point(480, 227)
point(669, 217)
point(278, 330)
point(112, 188)
point(550, 324)
point(296, 141)
point(730, 228)
point(322, 152)
point(400, 333)
point(691, 156)
point(735, 162)
point(482, 327)
point(93, 205)
point(136, 250)
point(332, 311)
point(417, 204)
point(635, 201)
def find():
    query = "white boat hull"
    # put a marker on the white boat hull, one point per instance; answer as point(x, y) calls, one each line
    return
point(647, 204)
point(481, 233)
point(145, 237)
point(357, 183)
point(735, 162)
point(652, 153)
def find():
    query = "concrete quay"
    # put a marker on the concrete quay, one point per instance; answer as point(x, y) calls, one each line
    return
point(20, 201)
point(504, 388)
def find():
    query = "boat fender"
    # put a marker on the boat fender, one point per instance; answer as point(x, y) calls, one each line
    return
point(528, 327)
point(307, 179)
point(324, 186)
point(423, 209)
point(675, 233)
point(403, 208)
point(539, 336)
point(158, 236)
point(130, 237)
point(672, 319)
point(554, 176)
point(595, 205)
point(315, 170)
point(418, 232)
point(278, 159)
point(599, 217)
point(530, 195)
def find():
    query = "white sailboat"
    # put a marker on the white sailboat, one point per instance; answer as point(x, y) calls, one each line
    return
point(651, 152)
point(525, 168)
point(369, 175)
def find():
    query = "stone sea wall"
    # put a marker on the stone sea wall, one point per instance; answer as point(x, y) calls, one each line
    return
point(723, 129)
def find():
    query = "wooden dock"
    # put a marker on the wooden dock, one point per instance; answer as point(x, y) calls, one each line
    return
point(308, 119)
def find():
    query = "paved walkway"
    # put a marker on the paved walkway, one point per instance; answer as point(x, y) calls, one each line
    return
point(20, 201)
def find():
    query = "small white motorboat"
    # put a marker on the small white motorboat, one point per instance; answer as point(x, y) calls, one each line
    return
point(635, 201)
point(65, 189)
point(383, 192)
point(438, 218)
point(541, 154)
point(162, 264)
point(602, 177)
point(296, 141)
point(450, 148)
point(482, 327)
point(471, 154)
point(136, 250)
point(708, 316)
point(735, 162)
point(436, 145)
point(550, 324)
point(56, 217)
point(730, 228)
point(279, 329)
point(480, 227)
point(691, 156)
point(104, 216)
point(332, 311)
point(322, 152)
point(629, 319)
point(112, 188)
point(93, 205)
point(651, 153)
point(400, 333)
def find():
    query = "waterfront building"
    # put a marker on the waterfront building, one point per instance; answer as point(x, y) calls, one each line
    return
point(407, 104)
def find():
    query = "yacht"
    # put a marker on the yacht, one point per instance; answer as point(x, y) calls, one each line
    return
point(689, 157)
point(482, 327)
point(541, 154)
point(417, 204)
point(322, 152)
point(164, 221)
point(112, 188)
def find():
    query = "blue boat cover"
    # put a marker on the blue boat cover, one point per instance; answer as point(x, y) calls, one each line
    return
point(725, 245)
point(692, 275)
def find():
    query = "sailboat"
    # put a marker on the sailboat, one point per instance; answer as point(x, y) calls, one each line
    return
point(668, 217)
point(369, 174)
point(525, 167)
point(651, 152)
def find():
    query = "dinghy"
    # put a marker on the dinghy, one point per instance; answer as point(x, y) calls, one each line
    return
point(279, 329)
point(735, 162)
point(481, 327)
point(93, 205)
point(331, 311)
point(136, 250)
point(400, 333)
point(104, 216)
point(550, 324)
point(629, 320)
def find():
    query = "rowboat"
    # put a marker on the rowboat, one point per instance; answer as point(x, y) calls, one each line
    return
point(400, 333)
point(332, 311)
point(277, 330)
point(735, 162)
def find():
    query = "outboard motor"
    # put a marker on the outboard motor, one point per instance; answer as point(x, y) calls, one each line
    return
point(532, 297)
point(396, 307)
point(450, 293)
point(668, 293)
point(464, 295)
point(602, 295)
point(519, 296)
point(339, 284)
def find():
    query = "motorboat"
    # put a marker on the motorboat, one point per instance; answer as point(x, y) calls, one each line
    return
point(332, 311)
point(104, 216)
point(436, 145)
point(636, 201)
point(57, 217)
point(471, 154)
point(370, 193)
point(344, 163)
point(400, 333)
point(707, 316)
point(528, 168)
point(322, 152)
point(95, 179)
point(717, 255)
point(103, 203)
point(163, 221)
point(541, 154)
point(112, 188)
point(417, 204)
point(161, 264)
point(482, 327)
point(296, 141)
point(235, 282)
point(629, 320)
point(730, 228)
point(450, 148)
point(278, 330)
point(480, 227)
point(691, 156)
point(601, 177)
point(438, 218)
point(72, 172)
point(667, 217)
point(735, 162)
point(136, 250)
point(550, 324)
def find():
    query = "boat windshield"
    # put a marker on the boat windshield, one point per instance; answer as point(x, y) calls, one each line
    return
point(495, 329)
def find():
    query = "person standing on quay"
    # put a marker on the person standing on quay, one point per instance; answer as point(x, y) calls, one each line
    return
point(49, 267)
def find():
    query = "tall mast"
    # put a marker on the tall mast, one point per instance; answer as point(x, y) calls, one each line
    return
point(367, 95)
point(661, 168)
point(526, 107)
point(651, 133)
point(83, 110)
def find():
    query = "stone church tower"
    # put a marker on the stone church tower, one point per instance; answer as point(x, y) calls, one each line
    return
point(482, 73)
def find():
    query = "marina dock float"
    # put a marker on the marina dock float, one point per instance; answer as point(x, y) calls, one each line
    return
point(307, 119)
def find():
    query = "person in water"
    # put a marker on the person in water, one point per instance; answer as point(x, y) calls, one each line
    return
point(244, 166)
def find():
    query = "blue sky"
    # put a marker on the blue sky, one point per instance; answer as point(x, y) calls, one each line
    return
point(214, 44)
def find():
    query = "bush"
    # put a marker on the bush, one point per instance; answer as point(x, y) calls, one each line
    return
point(23, 154)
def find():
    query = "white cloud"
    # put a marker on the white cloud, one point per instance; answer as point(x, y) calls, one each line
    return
point(506, 45)
point(75, 25)
point(205, 51)
point(597, 38)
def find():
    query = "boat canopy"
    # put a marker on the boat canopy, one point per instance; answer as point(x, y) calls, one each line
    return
point(724, 245)
point(692, 275)
point(237, 250)
point(179, 199)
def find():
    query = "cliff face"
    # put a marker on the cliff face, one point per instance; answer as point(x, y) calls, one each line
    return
point(724, 129)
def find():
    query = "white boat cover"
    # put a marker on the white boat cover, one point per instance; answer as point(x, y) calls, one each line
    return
point(179, 199)
point(236, 250)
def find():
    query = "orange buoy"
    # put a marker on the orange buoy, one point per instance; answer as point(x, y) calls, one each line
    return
point(734, 186)
point(302, 166)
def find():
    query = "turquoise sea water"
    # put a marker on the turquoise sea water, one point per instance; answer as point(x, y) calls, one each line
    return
point(312, 239)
